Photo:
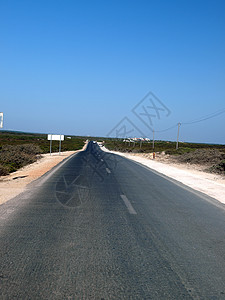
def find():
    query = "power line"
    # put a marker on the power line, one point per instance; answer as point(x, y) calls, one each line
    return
point(166, 129)
point(204, 118)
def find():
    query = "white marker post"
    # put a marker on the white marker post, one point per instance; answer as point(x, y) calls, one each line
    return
point(178, 135)
point(55, 137)
point(1, 119)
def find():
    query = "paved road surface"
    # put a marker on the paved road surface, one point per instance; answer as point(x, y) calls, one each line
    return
point(104, 227)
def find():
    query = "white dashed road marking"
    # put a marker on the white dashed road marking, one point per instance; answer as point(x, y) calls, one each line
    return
point(128, 205)
point(108, 171)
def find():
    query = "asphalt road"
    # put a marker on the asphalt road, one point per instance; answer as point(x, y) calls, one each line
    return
point(103, 227)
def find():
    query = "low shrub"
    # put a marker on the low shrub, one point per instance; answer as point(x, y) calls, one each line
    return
point(202, 156)
point(14, 157)
point(3, 170)
point(218, 168)
point(179, 151)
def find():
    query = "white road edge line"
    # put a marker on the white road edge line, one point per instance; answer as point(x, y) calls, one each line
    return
point(128, 205)
point(108, 171)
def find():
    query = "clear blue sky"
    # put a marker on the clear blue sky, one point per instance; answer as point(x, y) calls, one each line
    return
point(79, 67)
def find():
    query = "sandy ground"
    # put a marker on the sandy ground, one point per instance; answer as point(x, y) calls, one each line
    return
point(15, 183)
point(192, 176)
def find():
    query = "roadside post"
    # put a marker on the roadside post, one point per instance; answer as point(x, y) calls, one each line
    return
point(178, 130)
point(1, 119)
point(55, 137)
point(153, 139)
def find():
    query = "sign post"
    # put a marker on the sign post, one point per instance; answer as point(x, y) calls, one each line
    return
point(60, 145)
point(51, 147)
point(55, 137)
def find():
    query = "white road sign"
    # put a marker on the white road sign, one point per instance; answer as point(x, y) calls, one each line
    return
point(55, 137)
point(1, 119)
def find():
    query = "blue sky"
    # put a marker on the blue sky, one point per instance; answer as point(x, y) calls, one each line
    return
point(79, 67)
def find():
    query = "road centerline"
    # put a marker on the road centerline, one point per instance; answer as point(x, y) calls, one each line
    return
point(128, 205)
point(108, 171)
